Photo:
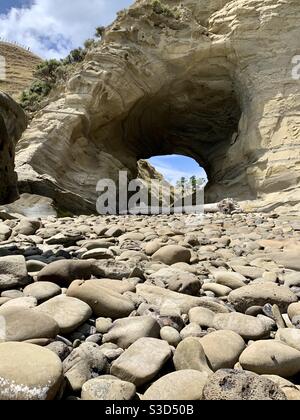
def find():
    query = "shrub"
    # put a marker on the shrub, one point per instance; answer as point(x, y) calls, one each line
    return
point(32, 97)
point(75, 56)
point(47, 71)
point(162, 9)
point(89, 43)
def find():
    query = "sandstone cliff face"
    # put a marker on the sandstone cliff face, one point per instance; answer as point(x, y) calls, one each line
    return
point(12, 125)
point(207, 79)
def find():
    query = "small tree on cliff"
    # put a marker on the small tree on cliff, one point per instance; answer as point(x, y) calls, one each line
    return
point(47, 71)
point(100, 31)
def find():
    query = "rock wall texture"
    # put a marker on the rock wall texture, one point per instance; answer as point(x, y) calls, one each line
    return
point(207, 79)
point(20, 65)
point(12, 125)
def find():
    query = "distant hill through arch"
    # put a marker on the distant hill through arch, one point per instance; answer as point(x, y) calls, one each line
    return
point(20, 66)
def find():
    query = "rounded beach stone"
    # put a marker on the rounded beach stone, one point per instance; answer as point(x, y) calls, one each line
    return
point(28, 372)
point(42, 291)
point(103, 301)
point(108, 389)
point(26, 324)
point(271, 357)
point(222, 349)
point(184, 385)
point(68, 312)
point(248, 327)
point(172, 254)
point(260, 294)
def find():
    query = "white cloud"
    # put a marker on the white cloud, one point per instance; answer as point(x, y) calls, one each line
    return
point(51, 28)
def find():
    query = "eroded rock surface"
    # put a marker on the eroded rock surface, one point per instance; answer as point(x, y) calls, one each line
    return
point(12, 124)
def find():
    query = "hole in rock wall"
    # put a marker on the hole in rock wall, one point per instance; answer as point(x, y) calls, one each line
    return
point(179, 169)
point(188, 126)
point(198, 120)
point(175, 184)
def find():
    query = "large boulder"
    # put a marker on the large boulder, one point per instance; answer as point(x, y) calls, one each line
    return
point(172, 254)
point(68, 312)
point(63, 272)
point(222, 349)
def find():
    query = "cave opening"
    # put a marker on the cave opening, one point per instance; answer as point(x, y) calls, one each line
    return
point(196, 118)
point(197, 115)
point(178, 170)
point(183, 182)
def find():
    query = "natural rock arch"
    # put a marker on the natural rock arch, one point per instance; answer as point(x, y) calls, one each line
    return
point(211, 80)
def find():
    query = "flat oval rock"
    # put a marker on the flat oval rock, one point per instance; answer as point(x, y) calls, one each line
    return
point(260, 294)
point(26, 324)
point(271, 357)
point(68, 312)
point(172, 254)
point(104, 302)
point(42, 291)
point(184, 385)
point(248, 327)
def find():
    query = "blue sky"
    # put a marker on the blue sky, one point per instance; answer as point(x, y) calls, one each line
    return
point(174, 167)
point(51, 28)
point(5, 5)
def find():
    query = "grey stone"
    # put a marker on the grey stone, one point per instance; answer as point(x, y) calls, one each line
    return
point(260, 294)
point(13, 272)
point(68, 312)
point(248, 327)
point(272, 358)
point(222, 349)
point(107, 389)
point(125, 332)
point(184, 385)
point(141, 361)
